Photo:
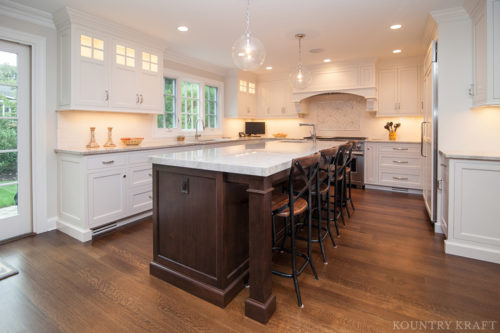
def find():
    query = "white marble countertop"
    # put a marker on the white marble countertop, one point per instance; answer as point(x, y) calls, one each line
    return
point(155, 144)
point(391, 141)
point(257, 159)
point(471, 155)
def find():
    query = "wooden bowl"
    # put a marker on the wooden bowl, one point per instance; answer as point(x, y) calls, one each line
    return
point(131, 141)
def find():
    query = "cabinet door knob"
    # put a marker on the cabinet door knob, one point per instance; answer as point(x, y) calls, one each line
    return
point(124, 176)
point(150, 197)
point(150, 174)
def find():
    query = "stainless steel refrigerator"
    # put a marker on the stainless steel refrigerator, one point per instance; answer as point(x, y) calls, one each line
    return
point(428, 131)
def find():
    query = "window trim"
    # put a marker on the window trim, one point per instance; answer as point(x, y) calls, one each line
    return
point(202, 81)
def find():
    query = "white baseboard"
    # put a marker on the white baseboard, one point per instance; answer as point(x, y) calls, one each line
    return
point(48, 225)
point(393, 189)
point(472, 251)
point(83, 235)
point(438, 228)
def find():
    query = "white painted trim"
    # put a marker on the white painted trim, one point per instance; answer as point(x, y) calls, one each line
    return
point(83, 235)
point(38, 117)
point(450, 15)
point(66, 16)
point(26, 13)
point(472, 250)
point(390, 189)
point(438, 228)
point(173, 56)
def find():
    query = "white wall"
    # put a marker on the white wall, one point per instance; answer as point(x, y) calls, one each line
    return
point(460, 127)
point(51, 91)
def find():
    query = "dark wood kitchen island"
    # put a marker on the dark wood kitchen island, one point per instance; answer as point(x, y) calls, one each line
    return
point(212, 219)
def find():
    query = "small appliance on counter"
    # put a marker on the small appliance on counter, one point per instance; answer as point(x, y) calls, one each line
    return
point(255, 128)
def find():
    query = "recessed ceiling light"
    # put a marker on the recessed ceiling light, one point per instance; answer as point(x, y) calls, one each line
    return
point(396, 51)
point(327, 60)
point(182, 28)
point(269, 68)
point(396, 26)
point(316, 50)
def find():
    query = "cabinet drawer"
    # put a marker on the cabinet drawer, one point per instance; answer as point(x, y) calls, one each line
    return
point(399, 179)
point(106, 161)
point(399, 161)
point(141, 175)
point(400, 149)
point(140, 200)
point(143, 156)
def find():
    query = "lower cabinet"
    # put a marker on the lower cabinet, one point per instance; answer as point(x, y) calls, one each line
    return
point(107, 196)
point(471, 192)
point(395, 165)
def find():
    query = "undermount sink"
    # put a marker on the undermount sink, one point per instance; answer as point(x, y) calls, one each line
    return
point(210, 139)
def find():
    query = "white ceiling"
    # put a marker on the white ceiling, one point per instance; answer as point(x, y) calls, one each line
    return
point(345, 29)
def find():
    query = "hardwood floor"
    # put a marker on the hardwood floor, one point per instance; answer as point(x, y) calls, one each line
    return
point(388, 266)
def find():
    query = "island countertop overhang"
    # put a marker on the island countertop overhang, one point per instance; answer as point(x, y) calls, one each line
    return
point(255, 159)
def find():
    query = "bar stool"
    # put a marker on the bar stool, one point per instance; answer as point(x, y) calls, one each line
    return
point(338, 176)
point(324, 179)
point(348, 181)
point(290, 206)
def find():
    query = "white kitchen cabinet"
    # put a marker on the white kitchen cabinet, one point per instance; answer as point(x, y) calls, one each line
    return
point(371, 163)
point(274, 100)
point(486, 51)
point(471, 189)
point(99, 70)
point(393, 165)
point(106, 196)
point(398, 91)
point(240, 96)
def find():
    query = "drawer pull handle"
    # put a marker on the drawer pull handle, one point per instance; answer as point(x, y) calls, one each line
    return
point(444, 165)
point(400, 162)
point(108, 162)
point(399, 148)
point(400, 178)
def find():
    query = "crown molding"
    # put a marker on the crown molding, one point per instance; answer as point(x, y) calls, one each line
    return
point(170, 55)
point(27, 14)
point(430, 32)
point(449, 15)
point(67, 16)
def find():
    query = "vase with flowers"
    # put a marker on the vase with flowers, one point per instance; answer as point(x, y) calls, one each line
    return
point(392, 128)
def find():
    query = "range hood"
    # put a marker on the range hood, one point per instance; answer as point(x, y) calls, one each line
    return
point(357, 78)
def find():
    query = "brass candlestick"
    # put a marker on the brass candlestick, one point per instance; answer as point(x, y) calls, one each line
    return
point(92, 143)
point(109, 143)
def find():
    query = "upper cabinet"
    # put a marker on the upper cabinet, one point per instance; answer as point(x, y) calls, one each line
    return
point(486, 51)
point(99, 70)
point(274, 100)
point(399, 90)
point(240, 95)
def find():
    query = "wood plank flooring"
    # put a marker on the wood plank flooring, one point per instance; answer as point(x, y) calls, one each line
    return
point(388, 266)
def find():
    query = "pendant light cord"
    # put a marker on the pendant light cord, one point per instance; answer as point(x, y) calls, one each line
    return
point(248, 19)
point(300, 53)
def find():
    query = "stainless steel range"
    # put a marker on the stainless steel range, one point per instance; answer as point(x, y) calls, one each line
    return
point(358, 156)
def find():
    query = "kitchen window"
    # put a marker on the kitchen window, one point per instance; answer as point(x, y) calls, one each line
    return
point(187, 99)
point(190, 105)
point(211, 106)
point(168, 119)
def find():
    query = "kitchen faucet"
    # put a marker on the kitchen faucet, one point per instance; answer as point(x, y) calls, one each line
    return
point(196, 136)
point(313, 133)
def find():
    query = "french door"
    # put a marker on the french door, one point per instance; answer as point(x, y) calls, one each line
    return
point(15, 137)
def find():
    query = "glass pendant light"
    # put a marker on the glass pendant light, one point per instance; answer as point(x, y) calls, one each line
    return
point(301, 77)
point(248, 52)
